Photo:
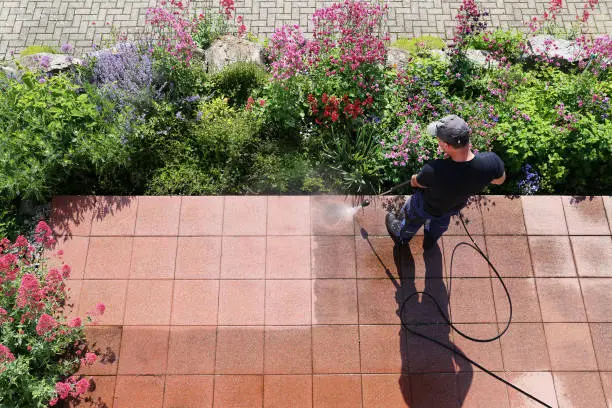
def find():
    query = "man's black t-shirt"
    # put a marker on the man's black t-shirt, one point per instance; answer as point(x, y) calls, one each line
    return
point(450, 183)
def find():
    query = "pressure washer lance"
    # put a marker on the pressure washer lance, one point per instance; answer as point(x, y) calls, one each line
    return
point(474, 246)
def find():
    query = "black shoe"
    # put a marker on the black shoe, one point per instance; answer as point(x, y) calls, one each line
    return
point(394, 228)
point(428, 242)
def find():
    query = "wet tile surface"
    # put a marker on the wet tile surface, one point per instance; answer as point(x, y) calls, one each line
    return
point(281, 302)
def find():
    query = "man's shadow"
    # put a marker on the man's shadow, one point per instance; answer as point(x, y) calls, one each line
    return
point(432, 376)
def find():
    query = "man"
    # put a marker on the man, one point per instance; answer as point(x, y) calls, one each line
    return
point(445, 184)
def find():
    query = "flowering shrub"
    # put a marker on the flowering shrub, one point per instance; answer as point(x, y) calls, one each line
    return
point(344, 59)
point(40, 349)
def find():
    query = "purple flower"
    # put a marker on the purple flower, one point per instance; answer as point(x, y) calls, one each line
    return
point(199, 116)
point(192, 99)
point(66, 48)
point(45, 61)
point(42, 80)
point(179, 115)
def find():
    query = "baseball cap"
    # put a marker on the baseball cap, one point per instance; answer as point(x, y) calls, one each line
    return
point(451, 129)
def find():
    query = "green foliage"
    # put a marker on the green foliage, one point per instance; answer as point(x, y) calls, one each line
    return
point(52, 138)
point(279, 173)
point(211, 27)
point(504, 42)
point(286, 106)
point(238, 81)
point(36, 49)
point(414, 45)
point(176, 79)
point(355, 158)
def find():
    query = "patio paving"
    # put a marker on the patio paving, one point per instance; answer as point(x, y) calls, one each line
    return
point(282, 301)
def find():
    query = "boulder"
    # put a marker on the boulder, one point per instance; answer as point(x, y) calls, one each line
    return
point(229, 49)
point(397, 58)
point(551, 47)
point(57, 62)
point(479, 58)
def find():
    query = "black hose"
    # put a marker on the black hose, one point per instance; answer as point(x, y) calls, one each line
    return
point(452, 349)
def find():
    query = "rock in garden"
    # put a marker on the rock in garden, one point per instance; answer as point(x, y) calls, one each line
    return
point(229, 49)
point(48, 62)
point(551, 47)
point(479, 57)
point(397, 58)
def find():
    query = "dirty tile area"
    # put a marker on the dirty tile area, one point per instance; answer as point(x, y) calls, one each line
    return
point(295, 302)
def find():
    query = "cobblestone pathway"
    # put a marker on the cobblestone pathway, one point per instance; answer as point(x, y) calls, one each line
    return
point(53, 22)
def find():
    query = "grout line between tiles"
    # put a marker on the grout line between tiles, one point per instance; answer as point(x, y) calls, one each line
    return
point(214, 373)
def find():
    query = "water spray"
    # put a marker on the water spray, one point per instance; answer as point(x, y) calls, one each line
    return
point(366, 202)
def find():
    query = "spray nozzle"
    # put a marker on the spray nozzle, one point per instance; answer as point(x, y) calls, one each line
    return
point(365, 203)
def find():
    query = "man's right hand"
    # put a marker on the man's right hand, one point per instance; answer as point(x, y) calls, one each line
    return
point(499, 181)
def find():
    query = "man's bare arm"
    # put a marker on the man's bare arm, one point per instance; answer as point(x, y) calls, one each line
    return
point(414, 182)
point(500, 180)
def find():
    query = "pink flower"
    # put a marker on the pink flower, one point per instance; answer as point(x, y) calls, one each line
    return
point(89, 359)
point(62, 389)
point(82, 386)
point(76, 322)
point(46, 323)
point(53, 402)
point(100, 308)
point(5, 354)
point(66, 271)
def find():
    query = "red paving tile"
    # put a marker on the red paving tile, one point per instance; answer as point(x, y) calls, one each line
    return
point(108, 258)
point(585, 216)
point(333, 257)
point(201, 216)
point(195, 302)
point(243, 258)
point(244, 215)
point(106, 342)
point(579, 390)
point(114, 216)
point(334, 301)
point(241, 302)
point(471, 301)
point(570, 347)
point(385, 390)
point(601, 333)
point(544, 215)
point(434, 390)
point(480, 390)
point(524, 297)
point(593, 255)
point(191, 350)
point(606, 381)
point(503, 216)
point(288, 215)
point(288, 391)
point(561, 300)
point(111, 293)
point(198, 258)
point(607, 200)
point(380, 349)
point(524, 348)
point(510, 255)
point(288, 350)
point(336, 391)
point(288, 257)
point(238, 391)
point(144, 350)
point(489, 354)
point(368, 264)
point(290, 281)
point(73, 295)
point(472, 216)
point(158, 215)
point(240, 350)
point(372, 217)
point(552, 256)
point(335, 349)
point(288, 302)
point(153, 258)
point(72, 215)
point(188, 391)
point(139, 391)
point(467, 263)
point(377, 303)
point(75, 254)
point(538, 384)
point(331, 215)
point(148, 302)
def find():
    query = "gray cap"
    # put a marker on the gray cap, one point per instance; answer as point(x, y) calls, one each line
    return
point(451, 129)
